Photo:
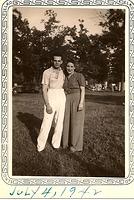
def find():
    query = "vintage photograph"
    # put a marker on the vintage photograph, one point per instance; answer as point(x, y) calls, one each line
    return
point(68, 91)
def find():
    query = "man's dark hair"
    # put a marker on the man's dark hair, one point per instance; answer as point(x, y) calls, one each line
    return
point(57, 53)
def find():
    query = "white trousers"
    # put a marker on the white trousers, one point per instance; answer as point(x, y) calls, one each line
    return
point(57, 101)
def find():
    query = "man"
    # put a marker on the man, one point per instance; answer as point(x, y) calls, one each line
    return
point(54, 100)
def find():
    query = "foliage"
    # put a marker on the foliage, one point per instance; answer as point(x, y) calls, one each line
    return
point(98, 57)
point(113, 39)
point(21, 47)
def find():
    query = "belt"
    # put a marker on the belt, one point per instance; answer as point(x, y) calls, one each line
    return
point(55, 89)
point(73, 90)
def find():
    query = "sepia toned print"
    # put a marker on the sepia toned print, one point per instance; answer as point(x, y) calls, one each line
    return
point(98, 54)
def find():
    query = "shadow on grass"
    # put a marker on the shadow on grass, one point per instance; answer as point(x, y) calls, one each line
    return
point(98, 170)
point(33, 124)
point(105, 99)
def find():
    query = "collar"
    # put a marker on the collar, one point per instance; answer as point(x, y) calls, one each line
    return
point(55, 70)
point(71, 74)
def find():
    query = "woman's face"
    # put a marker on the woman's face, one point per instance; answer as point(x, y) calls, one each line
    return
point(70, 68)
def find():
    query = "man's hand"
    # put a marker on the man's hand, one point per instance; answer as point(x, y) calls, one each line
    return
point(49, 109)
point(80, 107)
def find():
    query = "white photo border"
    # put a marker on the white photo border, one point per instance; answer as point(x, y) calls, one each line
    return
point(32, 181)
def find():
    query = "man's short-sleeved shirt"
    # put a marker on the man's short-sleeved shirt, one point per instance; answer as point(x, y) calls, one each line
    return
point(53, 78)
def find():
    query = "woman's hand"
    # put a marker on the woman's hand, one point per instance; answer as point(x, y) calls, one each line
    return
point(49, 109)
point(82, 97)
point(80, 107)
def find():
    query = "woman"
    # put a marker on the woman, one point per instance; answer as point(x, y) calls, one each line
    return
point(74, 112)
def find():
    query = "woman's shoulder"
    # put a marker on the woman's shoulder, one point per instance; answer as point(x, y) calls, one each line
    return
point(79, 74)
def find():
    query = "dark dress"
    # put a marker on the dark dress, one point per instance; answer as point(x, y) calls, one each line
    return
point(74, 119)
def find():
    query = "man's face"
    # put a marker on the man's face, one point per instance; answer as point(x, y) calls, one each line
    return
point(57, 61)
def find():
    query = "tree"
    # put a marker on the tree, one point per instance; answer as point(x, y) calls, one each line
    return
point(33, 49)
point(56, 37)
point(92, 60)
point(21, 48)
point(114, 40)
point(99, 61)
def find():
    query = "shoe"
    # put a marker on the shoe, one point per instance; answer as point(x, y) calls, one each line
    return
point(39, 149)
point(56, 148)
point(65, 147)
point(72, 149)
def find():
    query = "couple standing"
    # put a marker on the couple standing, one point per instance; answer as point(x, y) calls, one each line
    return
point(63, 103)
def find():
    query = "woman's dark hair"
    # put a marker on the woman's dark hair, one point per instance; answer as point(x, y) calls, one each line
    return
point(70, 60)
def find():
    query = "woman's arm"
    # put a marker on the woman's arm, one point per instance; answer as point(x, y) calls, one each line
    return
point(82, 98)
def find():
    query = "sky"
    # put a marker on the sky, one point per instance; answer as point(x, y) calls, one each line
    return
point(66, 16)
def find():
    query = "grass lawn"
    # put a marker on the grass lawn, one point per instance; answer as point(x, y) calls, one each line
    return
point(104, 139)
